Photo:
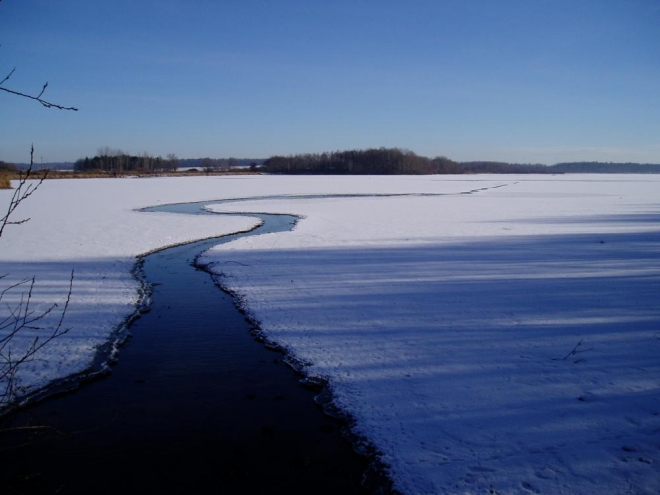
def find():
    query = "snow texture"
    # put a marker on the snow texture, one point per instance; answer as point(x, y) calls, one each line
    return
point(489, 334)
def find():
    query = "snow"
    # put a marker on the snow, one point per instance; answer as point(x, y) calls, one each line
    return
point(489, 334)
point(89, 226)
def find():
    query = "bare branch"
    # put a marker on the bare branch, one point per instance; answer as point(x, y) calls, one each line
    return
point(42, 90)
point(8, 75)
point(23, 191)
point(576, 350)
point(16, 352)
point(38, 98)
point(22, 317)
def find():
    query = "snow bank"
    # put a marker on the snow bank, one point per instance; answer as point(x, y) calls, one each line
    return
point(91, 226)
point(503, 340)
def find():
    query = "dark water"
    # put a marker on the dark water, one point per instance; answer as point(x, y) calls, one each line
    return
point(195, 405)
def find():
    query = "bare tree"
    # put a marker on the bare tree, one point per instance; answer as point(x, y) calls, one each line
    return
point(172, 161)
point(23, 318)
point(20, 317)
point(207, 164)
point(146, 161)
point(24, 189)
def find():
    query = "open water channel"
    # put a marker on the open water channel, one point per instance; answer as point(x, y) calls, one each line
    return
point(194, 405)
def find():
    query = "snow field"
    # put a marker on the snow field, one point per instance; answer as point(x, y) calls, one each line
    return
point(504, 340)
point(499, 336)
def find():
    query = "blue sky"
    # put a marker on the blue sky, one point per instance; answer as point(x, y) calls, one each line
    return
point(512, 80)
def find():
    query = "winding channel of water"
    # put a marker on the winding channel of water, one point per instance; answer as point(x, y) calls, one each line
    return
point(195, 405)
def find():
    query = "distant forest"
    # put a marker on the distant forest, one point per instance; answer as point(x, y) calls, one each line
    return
point(392, 161)
point(382, 161)
point(605, 168)
point(119, 162)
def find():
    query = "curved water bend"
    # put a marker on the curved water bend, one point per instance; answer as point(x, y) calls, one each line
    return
point(194, 405)
point(270, 222)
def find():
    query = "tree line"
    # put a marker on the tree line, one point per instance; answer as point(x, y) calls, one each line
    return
point(383, 161)
point(485, 167)
point(116, 161)
point(386, 161)
point(393, 161)
point(605, 168)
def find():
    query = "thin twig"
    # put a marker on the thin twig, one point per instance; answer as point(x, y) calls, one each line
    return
point(23, 191)
point(45, 103)
point(8, 75)
point(573, 351)
point(38, 98)
point(23, 318)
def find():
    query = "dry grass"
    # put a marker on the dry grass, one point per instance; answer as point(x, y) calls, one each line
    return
point(6, 177)
point(5, 182)
point(97, 174)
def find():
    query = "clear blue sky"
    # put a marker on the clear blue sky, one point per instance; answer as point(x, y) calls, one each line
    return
point(538, 81)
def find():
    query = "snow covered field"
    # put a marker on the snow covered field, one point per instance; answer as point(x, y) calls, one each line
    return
point(490, 334)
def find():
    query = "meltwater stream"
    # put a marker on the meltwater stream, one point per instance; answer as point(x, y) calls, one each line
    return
point(195, 405)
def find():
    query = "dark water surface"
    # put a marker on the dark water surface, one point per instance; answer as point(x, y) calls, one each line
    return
point(195, 405)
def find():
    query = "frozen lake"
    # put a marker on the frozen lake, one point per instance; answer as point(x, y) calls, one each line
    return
point(486, 332)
